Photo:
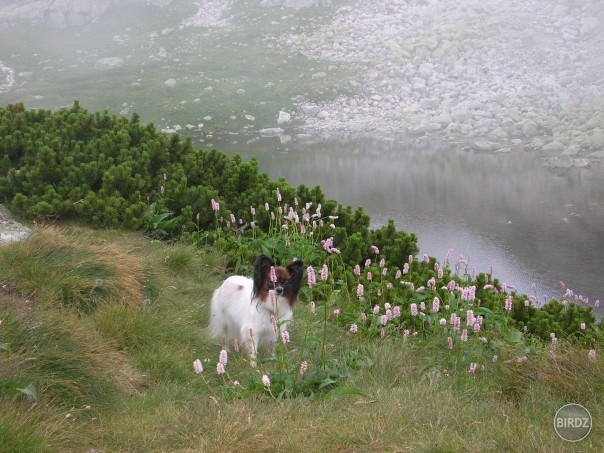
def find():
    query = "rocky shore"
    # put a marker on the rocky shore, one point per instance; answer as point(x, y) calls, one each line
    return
point(494, 75)
point(497, 75)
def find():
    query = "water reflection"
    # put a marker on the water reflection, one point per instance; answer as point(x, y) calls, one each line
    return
point(535, 227)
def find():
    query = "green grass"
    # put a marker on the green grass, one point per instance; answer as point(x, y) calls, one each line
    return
point(113, 369)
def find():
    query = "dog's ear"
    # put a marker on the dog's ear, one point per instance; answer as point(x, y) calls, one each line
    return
point(262, 267)
point(296, 270)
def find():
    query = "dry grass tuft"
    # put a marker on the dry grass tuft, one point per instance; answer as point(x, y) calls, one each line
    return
point(73, 268)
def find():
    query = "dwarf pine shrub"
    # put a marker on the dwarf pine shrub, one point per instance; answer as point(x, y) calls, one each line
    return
point(109, 171)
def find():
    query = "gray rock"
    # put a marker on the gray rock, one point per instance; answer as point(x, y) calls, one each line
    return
point(109, 63)
point(553, 147)
point(283, 117)
point(483, 145)
point(11, 231)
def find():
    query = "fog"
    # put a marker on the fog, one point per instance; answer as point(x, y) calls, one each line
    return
point(371, 86)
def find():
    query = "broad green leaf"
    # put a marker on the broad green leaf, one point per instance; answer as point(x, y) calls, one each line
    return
point(343, 391)
point(30, 391)
point(327, 381)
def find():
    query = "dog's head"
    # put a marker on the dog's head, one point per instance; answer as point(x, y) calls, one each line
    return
point(286, 281)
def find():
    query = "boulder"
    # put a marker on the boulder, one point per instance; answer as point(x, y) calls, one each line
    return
point(11, 231)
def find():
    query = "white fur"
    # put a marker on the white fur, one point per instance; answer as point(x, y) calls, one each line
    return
point(235, 315)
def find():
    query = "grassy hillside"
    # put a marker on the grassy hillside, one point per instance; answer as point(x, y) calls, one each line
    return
point(100, 330)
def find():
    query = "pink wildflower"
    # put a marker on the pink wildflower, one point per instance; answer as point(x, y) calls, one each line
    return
point(435, 305)
point(508, 303)
point(369, 276)
point(197, 366)
point(360, 290)
point(223, 357)
point(220, 369)
point(554, 344)
point(328, 246)
point(274, 322)
point(266, 381)
point(313, 307)
point(375, 249)
point(357, 271)
point(591, 355)
point(472, 369)
point(405, 269)
point(285, 336)
point(353, 328)
point(324, 272)
point(336, 312)
point(464, 335)
point(450, 342)
point(396, 312)
point(582, 326)
point(406, 333)
point(384, 320)
point(413, 309)
point(273, 274)
point(303, 367)
point(310, 274)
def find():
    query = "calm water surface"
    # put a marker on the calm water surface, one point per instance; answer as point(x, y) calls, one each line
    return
point(534, 226)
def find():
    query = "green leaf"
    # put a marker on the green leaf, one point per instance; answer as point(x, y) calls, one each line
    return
point(343, 391)
point(514, 336)
point(327, 381)
point(30, 391)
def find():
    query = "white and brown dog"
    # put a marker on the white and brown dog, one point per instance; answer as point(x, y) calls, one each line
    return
point(247, 310)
